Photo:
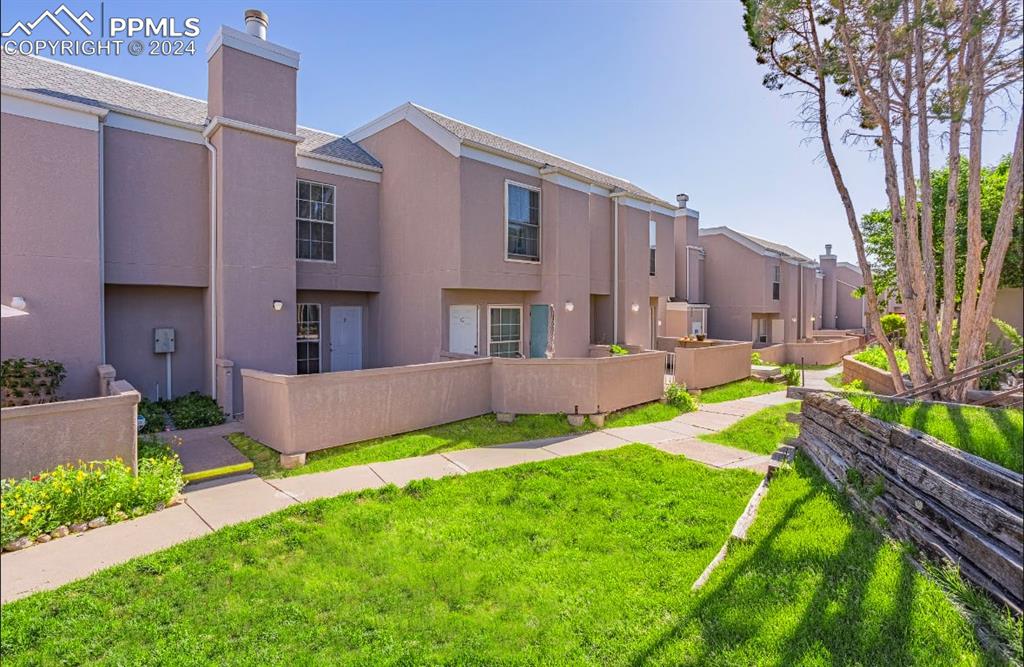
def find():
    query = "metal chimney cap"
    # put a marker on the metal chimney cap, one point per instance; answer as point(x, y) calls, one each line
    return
point(682, 199)
point(828, 248)
point(257, 14)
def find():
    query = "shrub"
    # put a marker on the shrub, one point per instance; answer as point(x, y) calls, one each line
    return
point(154, 415)
point(29, 381)
point(895, 327)
point(194, 410)
point(72, 494)
point(618, 350)
point(791, 374)
point(875, 356)
point(755, 359)
point(150, 447)
point(679, 398)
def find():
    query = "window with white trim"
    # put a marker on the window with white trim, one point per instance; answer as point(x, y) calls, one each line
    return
point(522, 222)
point(314, 221)
point(505, 331)
point(776, 281)
point(307, 338)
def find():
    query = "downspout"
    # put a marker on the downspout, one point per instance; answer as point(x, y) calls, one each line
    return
point(103, 260)
point(213, 265)
point(615, 269)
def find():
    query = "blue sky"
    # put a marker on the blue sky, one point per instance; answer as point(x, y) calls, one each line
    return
point(664, 94)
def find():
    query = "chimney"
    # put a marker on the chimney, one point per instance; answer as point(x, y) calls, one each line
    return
point(682, 199)
point(256, 23)
point(828, 248)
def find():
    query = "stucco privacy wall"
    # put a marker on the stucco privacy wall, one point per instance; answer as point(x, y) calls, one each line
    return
point(874, 379)
point(302, 413)
point(51, 178)
point(576, 385)
point(34, 438)
point(710, 366)
point(823, 351)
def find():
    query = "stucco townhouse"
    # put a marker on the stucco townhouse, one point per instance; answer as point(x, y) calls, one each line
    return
point(180, 240)
point(766, 292)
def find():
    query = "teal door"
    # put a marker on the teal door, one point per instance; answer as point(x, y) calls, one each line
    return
point(540, 330)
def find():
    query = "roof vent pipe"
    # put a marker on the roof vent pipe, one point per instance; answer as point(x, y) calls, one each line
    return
point(682, 199)
point(256, 23)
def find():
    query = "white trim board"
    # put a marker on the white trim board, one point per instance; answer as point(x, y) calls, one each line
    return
point(311, 162)
point(37, 106)
point(242, 41)
point(220, 121)
point(418, 119)
point(499, 161)
point(145, 126)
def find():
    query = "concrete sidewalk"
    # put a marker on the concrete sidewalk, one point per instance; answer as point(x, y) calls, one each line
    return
point(215, 504)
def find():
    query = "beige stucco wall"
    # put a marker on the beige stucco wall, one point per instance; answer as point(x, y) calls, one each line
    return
point(301, 413)
point(1009, 307)
point(35, 438)
point(49, 222)
point(356, 264)
point(156, 210)
point(132, 312)
point(255, 213)
point(579, 385)
point(737, 283)
point(874, 379)
point(600, 216)
point(663, 283)
point(634, 276)
point(702, 367)
point(824, 350)
point(850, 311)
point(309, 412)
point(419, 232)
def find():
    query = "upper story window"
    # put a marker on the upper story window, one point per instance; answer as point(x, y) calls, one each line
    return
point(522, 222)
point(314, 221)
point(653, 241)
point(776, 281)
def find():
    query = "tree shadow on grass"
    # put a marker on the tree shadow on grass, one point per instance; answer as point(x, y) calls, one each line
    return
point(833, 620)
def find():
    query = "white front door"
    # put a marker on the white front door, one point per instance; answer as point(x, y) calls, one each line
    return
point(346, 338)
point(463, 330)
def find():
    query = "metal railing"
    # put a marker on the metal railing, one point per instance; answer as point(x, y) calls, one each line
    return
point(1006, 361)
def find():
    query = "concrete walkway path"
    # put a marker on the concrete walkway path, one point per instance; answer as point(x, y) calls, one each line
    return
point(212, 505)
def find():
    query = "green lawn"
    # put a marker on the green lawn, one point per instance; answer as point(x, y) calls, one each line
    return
point(475, 432)
point(581, 560)
point(761, 432)
point(739, 389)
point(643, 414)
point(996, 434)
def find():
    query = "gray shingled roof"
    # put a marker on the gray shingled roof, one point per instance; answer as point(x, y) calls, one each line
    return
point(69, 82)
point(777, 247)
point(472, 134)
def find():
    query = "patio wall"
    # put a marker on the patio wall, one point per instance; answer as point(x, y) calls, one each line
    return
point(35, 438)
point(710, 366)
point(825, 350)
point(874, 379)
point(584, 386)
point(302, 413)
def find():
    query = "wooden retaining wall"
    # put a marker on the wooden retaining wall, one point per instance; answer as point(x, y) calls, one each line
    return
point(952, 505)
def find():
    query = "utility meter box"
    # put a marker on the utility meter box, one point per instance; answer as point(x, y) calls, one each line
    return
point(163, 340)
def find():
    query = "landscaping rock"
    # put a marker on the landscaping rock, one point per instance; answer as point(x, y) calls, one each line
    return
point(18, 544)
point(98, 522)
point(79, 527)
point(60, 531)
point(158, 507)
point(176, 500)
point(44, 538)
point(505, 417)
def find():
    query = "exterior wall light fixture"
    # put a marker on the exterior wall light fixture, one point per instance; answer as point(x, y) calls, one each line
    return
point(18, 302)
point(278, 304)
point(569, 306)
point(635, 307)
